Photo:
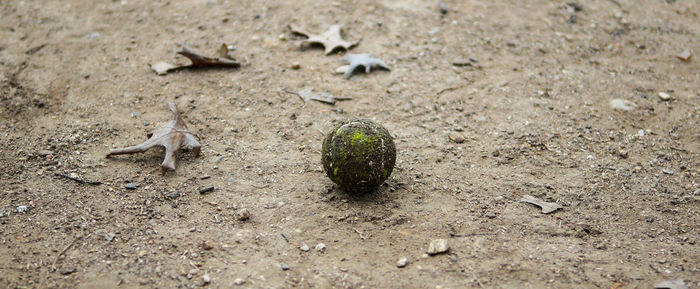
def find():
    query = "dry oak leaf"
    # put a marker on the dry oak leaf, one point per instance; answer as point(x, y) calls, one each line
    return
point(366, 60)
point(331, 39)
point(173, 136)
point(224, 60)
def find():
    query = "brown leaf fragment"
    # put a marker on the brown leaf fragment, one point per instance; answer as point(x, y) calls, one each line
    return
point(173, 136)
point(331, 39)
point(223, 60)
point(547, 207)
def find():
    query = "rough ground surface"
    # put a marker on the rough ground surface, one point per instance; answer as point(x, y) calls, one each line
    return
point(530, 114)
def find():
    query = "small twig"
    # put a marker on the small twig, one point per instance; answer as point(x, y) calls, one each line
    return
point(446, 90)
point(294, 92)
point(53, 266)
point(477, 279)
point(285, 237)
point(469, 235)
point(94, 183)
point(616, 3)
point(360, 233)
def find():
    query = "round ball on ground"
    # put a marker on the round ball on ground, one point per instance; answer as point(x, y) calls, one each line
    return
point(358, 155)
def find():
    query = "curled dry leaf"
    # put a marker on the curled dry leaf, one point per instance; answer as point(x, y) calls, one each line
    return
point(365, 60)
point(331, 39)
point(547, 207)
point(173, 136)
point(224, 60)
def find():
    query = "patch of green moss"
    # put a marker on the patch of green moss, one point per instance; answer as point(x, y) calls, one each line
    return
point(358, 155)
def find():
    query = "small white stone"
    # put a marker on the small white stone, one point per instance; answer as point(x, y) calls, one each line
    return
point(342, 69)
point(402, 262)
point(622, 104)
point(320, 247)
point(664, 96)
point(438, 246)
point(238, 281)
point(206, 278)
point(304, 248)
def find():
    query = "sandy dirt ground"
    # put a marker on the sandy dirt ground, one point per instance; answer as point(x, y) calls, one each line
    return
point(488, 102)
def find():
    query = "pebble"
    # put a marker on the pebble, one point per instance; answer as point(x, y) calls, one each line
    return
point(304, 248)
point(320, 247)
point(206, 190)
point(457, 137)
point(206, 245)
point(44, 153)
point(668, 172)
point(650, 219)
point(68, 270)
point(130, 186)
point(622, 104)
point(238, 281)
point(172, 195)
point(242, 215)
point(2, 213)
point(295, 65)
point(438, 246)
point(685, 55)
point(22, 209)
point(94, 35)
point(284, 267)
point(206, 279)
point(109, 237)
point(443, 7)
point(490, 215)
point(664, 96)
point(402, 262)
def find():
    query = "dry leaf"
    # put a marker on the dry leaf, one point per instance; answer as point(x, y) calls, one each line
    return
point(547, 207)
point(365, 60)
point(685, 55)
point(173, 136)
point(331, 39)
point(224, 60)
point(307, 93)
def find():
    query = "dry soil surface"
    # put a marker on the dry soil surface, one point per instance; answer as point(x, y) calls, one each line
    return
point(488, 102)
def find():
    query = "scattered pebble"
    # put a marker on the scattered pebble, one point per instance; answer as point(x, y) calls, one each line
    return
point(206, 278)
point(664, 96)
point(206, 245)
point(172, 195)
point(94, 35)
point(130, 186)
point(2, 213)
point(622, 104)
point(438, 246)
point(668, 172)
point(43, 153)
point(402, 262)
point(22, 209)
point(109, 237)
point(320, 247)
point(304, 248)
point(295, 65)
point(457, 137)
point(650, 219)
point(206, 190)
point(68, 270)
point(284, 267)
point(671, 284)
point(685, 55)
point(242, 215)
point(238, 281)
point(490, 215)
point(443, 7)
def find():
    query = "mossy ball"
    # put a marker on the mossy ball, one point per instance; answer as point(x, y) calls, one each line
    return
point(358, 155)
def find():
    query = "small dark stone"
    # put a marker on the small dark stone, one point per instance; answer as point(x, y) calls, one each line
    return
point(650, 219)
point(130, 186)
point(206, 190)
point(490, 215)
point(174, 204)
point(174, 195)
point(443, 8)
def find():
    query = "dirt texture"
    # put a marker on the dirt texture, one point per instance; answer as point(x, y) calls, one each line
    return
point(488, 102)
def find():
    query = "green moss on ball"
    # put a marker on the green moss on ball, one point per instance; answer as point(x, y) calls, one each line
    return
point(358, 155)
